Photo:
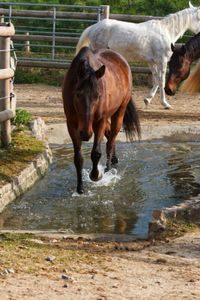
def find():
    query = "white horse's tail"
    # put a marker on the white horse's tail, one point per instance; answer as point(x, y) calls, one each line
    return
point(192, 83)
point(84, 40)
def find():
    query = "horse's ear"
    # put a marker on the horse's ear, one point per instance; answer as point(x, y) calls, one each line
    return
point(172, 47)
point(183, 50)
point(100, 72)
point(190, 5)
point(81, 69)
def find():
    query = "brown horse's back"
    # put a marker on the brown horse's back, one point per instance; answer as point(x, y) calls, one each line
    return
point(117, 80)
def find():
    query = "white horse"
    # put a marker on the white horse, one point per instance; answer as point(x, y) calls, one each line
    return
point(149, 41)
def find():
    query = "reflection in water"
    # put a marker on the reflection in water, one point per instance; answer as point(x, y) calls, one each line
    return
point(149, 176)
point(183, 165)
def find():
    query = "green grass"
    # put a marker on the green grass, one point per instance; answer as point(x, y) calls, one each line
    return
point(22, 151)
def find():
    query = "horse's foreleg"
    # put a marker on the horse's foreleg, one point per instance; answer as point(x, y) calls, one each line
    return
point(154, 89)
point(162, 74)
point(78, 158)
point(99, 131)
point(78, 161)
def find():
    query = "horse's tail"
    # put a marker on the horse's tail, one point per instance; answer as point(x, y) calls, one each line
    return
point(131, 122)
point(84, 40)
point(192, 84)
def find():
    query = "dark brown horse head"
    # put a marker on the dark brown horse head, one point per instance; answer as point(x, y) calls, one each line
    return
point(86, 95)
point(179, 69)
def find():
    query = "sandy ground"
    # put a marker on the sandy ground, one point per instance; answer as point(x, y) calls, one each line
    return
point(168, 269)
point(46, 101)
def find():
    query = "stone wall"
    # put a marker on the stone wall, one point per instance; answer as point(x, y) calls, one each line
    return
point(33, 172)
point(188, 211)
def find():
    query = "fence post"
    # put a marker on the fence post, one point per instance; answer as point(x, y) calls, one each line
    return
point(7, 30)
point(27, 44)
point(54, 33)
point(105, 11)
point(5, 90)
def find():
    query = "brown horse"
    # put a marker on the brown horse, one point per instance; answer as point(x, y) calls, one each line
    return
point(192, 84)
point(97, 96)
point(180, 62)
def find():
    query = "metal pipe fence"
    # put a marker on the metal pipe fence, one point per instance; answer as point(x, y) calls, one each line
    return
point(48, 33)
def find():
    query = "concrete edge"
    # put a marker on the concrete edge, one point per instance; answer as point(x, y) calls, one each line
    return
point(32, 173)
point(26, 179)
point(188, 211)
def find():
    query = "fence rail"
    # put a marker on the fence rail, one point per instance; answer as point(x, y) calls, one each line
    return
point(7, 101)
point(45, 30)
point(52, 44)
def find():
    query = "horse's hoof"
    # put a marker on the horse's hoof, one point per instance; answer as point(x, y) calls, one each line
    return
point(80, 190)
point(106, 169)
point(114, 161)
point(168, 106)
point(95, 177)
point(146, 102)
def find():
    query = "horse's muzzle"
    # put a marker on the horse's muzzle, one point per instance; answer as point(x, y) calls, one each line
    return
point(169, 92)
point(85, 136)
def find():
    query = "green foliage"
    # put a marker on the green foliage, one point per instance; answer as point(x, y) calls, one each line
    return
point(39, 75)
point(55, 77)
point(22, 117)
point(23, 149)
point(27, 76)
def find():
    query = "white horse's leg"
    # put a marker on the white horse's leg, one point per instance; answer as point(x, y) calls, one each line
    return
point(153, 91)
point(162, 74)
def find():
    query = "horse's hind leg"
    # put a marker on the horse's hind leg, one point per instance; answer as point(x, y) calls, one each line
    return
point(154, 89)
point(162, 74)
point(114, 159)
point(116, 124)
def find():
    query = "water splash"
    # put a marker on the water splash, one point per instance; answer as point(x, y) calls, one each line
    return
point(107, 179)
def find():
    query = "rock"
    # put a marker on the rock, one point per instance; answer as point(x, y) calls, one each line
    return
point(156, 228)
point(11, 271)
point(36, 241)
point(67, 278)
point(38, 128)
point(50, 258)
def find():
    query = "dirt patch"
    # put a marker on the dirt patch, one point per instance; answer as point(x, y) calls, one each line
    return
point(89, 270)
point(46, 101)
point(167, 269)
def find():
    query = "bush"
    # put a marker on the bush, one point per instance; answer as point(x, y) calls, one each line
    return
point(22, 117)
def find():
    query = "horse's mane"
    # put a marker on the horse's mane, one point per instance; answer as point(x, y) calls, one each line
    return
point(193, 46)
point(177, 20)
point(84, 60)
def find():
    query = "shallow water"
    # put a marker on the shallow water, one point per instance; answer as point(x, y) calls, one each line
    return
point(150, 175)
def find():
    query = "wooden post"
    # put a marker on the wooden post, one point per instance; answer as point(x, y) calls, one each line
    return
point(5, 90)
point(27, 44)
point(105, 11)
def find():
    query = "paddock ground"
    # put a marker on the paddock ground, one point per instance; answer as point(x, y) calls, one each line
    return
point(46, 102)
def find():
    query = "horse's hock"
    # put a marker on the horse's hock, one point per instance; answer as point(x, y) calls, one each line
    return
point(7, 97)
